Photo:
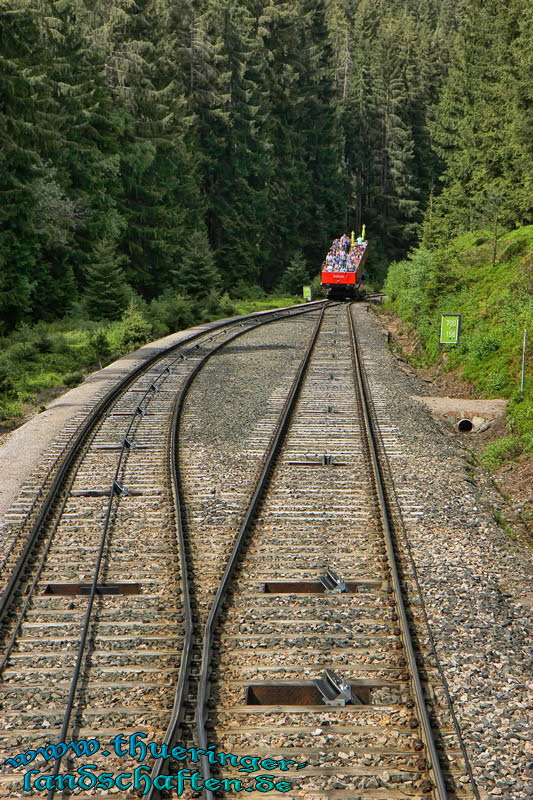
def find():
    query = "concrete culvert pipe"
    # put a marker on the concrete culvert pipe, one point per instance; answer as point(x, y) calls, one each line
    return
point(465, 425)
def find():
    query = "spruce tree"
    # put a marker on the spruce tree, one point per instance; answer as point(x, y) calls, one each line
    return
point(480, 113)
point(157, 200)
point(106, 292)
point(92, 129)
point(307, 187)
point(197, 274)
point(236, 164)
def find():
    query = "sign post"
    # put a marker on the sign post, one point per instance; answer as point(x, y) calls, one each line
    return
point(450, 328)
point(307, 292)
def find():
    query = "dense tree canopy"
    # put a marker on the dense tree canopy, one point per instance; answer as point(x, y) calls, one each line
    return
point(138, 133)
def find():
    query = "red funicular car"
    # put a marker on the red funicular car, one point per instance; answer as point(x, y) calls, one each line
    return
point(346, 282)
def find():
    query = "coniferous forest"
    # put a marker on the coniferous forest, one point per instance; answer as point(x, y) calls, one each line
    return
point(164, 162)
point(143, 140)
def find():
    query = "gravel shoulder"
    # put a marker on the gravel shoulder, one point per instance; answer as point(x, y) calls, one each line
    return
point(475, 580)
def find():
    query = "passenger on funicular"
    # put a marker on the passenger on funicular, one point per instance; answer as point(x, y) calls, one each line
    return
point(342, 257)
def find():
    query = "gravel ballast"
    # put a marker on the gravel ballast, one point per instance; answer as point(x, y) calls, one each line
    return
point(475, 581)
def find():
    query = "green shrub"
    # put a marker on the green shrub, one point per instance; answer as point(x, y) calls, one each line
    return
point(513, 249)
point(482, 344)
point(520, 416)
point(497, 453)
point(173, 311)
point(37, 381)
point(22, 352)
point(243, 291)
point(495, 383)
point(99, 345)
point(72, 379)
point(62, 346)
point(44, 343)
point(211, 303)
point(295, 275)
point(135, 330)
point(10, 410)
point(226, 306)
point(316, 287)
point(7, 384)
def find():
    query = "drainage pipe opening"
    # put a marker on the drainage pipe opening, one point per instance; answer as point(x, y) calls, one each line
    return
point(465, 425)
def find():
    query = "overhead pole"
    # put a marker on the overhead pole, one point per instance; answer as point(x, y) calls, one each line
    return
point(524, 346)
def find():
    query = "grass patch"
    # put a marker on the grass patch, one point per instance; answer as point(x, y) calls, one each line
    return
point(43, 357)
point(496, 304)
point(504, 525)
point(265, 304)
point(501, 451)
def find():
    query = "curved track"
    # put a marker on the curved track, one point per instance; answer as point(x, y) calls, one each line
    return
point(92, 606)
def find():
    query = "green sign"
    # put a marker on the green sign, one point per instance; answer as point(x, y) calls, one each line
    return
point(307, 293)
point(450, 327)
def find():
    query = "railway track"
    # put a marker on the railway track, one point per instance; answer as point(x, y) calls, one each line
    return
point(29, 511)
point(92, 618)
point(281, 661)
point(276, 628)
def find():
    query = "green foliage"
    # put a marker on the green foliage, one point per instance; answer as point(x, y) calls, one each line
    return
point(23, 353)
point(226, 306)
point(7, 384)
point(520, 417)
point(106, 292)
point(295, 275)
point(497, 453)
point(316, 287)
point(495, 303)
point(135, 330)
point(99, 344)
point(197, 275)
point(486, 153)
point(10, 410)
point(174, 311)
point(44, 343)
point(246, 291)
point(73, 379)
point(177, 146)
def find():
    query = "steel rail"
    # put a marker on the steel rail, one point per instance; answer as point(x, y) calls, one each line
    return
point(149, 393)
point(180, 695)
point(126, 442)
point(207, 645)
point(393, 495)
point(92, 419)
point(380, 490)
